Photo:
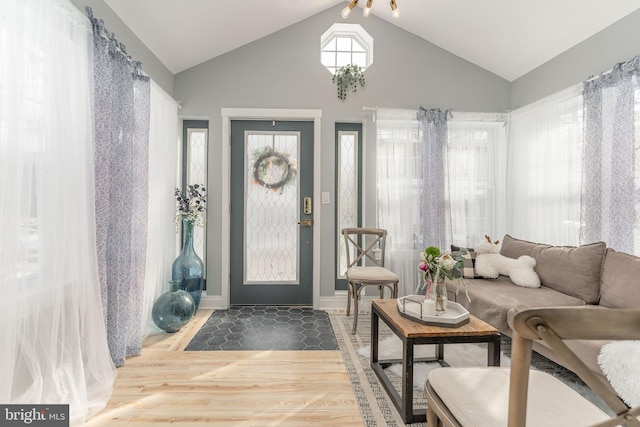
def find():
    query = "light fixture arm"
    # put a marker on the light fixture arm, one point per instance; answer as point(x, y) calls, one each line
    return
point(347, 10)
point(394, 9)
point(367, 9)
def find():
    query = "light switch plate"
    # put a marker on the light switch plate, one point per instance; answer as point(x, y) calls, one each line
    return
point(326, 198)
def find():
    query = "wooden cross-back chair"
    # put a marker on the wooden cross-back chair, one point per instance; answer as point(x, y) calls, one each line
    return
point(364, 268)
point(519, 396)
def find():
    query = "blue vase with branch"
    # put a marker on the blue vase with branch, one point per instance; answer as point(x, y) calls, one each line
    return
point(188, 268)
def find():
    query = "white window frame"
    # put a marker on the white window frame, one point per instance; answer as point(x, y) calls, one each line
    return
point(353, 31)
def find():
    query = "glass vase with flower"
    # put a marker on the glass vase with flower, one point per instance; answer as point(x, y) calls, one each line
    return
point(436, 268)
point(188, 268)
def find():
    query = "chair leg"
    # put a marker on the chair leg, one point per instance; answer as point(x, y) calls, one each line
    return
point(349, 296)
point(356, 296)
point(432, 418)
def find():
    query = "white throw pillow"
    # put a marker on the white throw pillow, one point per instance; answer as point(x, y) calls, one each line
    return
point(620, 362)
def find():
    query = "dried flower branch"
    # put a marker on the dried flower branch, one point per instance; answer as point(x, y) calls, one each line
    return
point(193, 205)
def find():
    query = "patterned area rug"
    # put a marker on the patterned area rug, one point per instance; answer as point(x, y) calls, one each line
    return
point(376, 407)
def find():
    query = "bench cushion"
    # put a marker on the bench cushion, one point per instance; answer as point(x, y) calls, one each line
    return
point(479, 397)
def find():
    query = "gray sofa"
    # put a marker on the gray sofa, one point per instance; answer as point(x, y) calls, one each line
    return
point(589, 275)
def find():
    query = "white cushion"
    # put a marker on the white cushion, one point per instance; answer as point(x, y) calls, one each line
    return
point(368, 274)
point(480, 397)
point(619, 362)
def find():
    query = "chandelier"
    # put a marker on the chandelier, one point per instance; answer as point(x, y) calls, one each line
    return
point(347, 10)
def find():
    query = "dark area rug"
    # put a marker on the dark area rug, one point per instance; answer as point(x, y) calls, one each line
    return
point(265, 328)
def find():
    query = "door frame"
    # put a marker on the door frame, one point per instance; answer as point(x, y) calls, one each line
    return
point(229, 114)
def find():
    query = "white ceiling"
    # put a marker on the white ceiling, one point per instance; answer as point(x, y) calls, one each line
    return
point(506, 37)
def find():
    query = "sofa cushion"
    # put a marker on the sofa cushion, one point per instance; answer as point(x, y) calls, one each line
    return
point(491, 300)
point(575, 271)
point(586, 350)
point(469, 260)
point(620, 275)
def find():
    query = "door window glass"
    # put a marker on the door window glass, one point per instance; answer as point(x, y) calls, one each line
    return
point(271, 208)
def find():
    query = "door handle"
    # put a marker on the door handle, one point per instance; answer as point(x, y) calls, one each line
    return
point(308, 222)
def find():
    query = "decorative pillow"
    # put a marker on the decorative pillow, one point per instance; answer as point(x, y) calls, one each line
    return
point(619, 287)
point(618, 361)
point(469, 261)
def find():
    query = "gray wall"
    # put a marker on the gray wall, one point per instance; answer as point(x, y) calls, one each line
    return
point(617, 43)
point(283, 70)
point(135, 48)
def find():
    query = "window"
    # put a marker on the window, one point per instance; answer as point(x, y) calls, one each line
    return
point(475, 145)
point(348, 189)
point(344, 44)
point(195, 172)
point(397, 190)
point(545, 169)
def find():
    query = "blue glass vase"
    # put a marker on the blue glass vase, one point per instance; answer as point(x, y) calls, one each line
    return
point(173, 309)
point(188, 268)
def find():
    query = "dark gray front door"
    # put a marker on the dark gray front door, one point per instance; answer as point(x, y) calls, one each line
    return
point(271, 213)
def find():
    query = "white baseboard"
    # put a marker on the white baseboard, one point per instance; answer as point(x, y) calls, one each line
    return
point(212, 302)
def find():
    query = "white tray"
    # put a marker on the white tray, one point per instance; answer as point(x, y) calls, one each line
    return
point(454, 316)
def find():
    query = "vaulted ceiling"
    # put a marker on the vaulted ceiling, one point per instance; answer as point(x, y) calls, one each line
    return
point(507, 37)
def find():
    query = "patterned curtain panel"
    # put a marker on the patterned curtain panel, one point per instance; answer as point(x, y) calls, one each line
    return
point(435, 213)
point(611, 173)
point(121, 137)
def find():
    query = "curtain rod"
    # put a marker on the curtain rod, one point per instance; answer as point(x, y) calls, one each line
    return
point(602, 74)
point(450, 112)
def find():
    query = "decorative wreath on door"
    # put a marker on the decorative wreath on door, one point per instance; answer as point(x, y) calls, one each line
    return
point(273, 169)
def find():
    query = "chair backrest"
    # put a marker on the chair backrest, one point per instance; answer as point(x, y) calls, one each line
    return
point(554, 325)
point(360, 244)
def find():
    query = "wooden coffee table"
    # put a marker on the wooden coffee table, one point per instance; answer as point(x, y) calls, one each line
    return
point(414, 333)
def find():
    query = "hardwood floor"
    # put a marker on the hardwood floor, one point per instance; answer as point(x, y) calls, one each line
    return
point(168, 386)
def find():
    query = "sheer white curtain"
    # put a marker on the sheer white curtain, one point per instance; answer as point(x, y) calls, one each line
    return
point(53, 343)
point(545, 166)
point(477, 147)
point(398, 190)
point(163, 167)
